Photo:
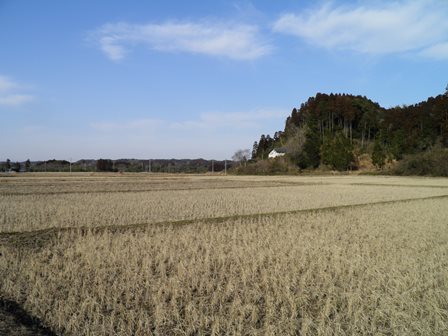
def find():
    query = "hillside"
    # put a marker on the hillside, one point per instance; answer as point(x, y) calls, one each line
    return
point(338, 130)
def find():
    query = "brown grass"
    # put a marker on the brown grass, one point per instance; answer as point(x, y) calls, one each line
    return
point(371, 270)
point(42, 211)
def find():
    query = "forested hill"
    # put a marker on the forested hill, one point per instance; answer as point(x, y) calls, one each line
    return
point(335, 129)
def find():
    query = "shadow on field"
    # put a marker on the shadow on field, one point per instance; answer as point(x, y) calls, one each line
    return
point(15, 321)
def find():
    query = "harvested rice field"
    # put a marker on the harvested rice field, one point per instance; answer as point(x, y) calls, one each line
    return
point(141, 254)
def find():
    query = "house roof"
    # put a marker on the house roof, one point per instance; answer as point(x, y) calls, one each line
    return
point(281, 150)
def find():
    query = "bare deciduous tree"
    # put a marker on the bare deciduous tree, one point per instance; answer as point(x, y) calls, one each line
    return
point(241, 155)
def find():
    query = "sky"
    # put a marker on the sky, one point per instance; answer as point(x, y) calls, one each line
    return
point(199, 79)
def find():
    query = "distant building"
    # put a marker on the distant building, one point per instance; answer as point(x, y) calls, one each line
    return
point(276, 152)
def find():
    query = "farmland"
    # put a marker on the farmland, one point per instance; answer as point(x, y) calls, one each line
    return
point(140, 254)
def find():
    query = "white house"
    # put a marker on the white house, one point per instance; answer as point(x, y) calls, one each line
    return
point(276, 152)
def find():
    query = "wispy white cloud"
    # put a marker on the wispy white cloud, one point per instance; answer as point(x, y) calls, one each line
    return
point(7, 84)
point(15, 99)
point(380, 28)
point(437, 51)
point(205, 121)
point(237, 120)
point(136, 124)
point(11, 93)
point(231, 40)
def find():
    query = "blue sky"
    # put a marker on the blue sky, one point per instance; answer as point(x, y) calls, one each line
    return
point(190, 79)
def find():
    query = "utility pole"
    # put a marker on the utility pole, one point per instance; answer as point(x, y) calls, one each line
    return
point(149, 166)
point(225, 167)
point(213, 166)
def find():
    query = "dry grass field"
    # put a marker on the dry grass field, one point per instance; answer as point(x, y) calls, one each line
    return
point(226, 255)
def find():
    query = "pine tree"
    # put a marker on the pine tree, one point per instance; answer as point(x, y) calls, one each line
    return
point(310, 157)
point(396, 144)
point(27, 165)
point(379, 153)
point(254, 150)
point(16, 167)
point(337, 151)
point(261, 149)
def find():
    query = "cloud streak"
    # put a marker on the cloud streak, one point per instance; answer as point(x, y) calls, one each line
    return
point(137, 124)
point(10, 94)
point(388, 28)
point(229, 40)
point(236, 120)
point(7, 84)
point(15, 99)
point(205, 121)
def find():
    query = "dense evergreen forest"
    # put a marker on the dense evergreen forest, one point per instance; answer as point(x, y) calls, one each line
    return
point(335, 130)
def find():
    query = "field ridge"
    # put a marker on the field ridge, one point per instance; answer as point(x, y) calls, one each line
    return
point(39, 238)
point(279, 184)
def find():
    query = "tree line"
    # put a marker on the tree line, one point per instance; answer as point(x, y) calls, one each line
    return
point(120, 165)
point(16, 166)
